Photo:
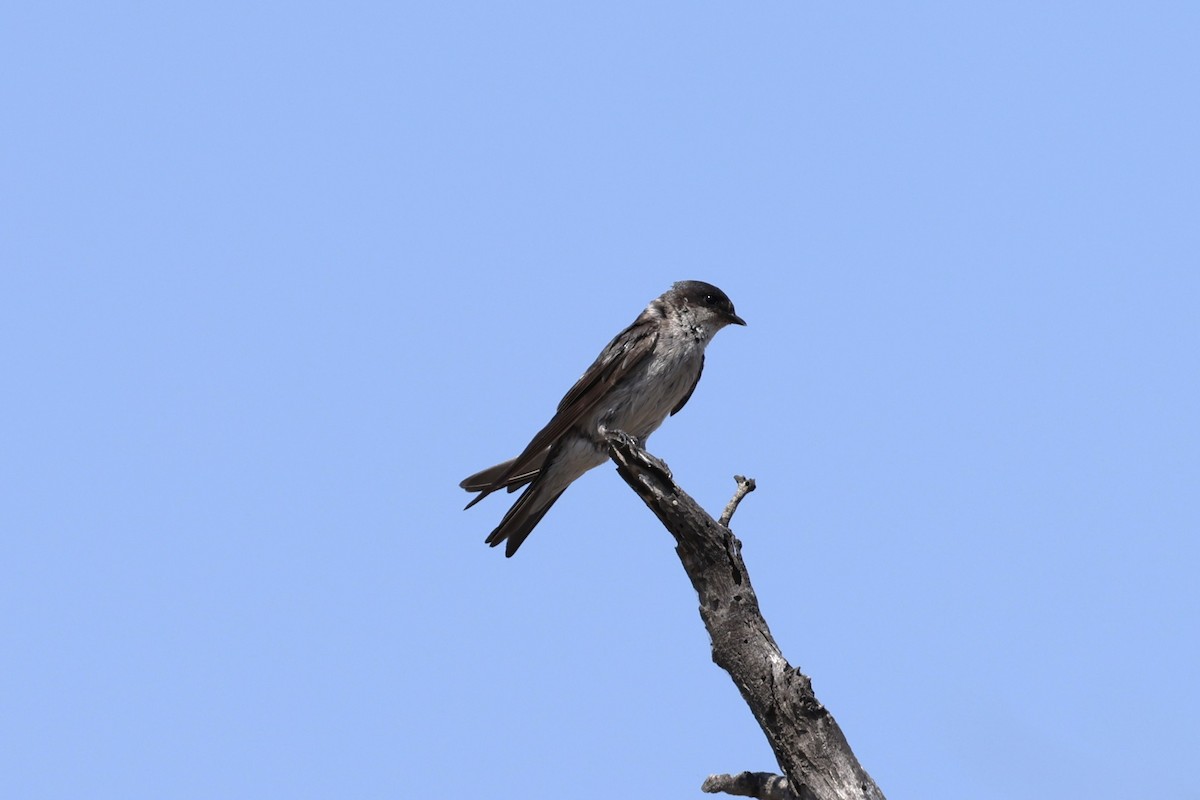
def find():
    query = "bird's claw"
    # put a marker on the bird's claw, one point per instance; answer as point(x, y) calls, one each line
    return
point(650, 462)
point(624, 438)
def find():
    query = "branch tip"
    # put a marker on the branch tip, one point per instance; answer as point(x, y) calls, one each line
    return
point(744, 487)
point(763, 785)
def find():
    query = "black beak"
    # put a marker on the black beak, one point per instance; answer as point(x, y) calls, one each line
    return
point(735, 319)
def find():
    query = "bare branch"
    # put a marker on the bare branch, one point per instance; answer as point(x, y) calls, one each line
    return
point(763, 785)
point(808, 743)
point(744, 487)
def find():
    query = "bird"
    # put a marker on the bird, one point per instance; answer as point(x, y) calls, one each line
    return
point(645, 374)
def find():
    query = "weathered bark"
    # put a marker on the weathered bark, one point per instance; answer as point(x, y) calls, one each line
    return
point(808, 744)
point(763, 785)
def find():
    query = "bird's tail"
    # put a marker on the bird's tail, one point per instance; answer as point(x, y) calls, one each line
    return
point(506, 475)
point(523, 517)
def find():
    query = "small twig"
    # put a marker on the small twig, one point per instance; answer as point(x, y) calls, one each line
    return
point(745, 487)
point(762, 785)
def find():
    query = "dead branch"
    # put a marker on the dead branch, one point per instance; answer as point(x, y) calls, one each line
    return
point(763, 785)
point(808, 744)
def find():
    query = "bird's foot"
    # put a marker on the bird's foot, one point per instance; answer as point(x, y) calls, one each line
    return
point(650, 462)
point(621, 437)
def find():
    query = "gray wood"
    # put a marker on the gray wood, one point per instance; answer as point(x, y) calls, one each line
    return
point(811, 750)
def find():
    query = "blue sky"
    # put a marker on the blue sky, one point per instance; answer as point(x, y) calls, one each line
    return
point(276, 276)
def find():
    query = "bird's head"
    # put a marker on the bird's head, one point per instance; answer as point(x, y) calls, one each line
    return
point(708, 307)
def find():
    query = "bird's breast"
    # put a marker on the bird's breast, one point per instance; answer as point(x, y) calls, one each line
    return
point(638, 404)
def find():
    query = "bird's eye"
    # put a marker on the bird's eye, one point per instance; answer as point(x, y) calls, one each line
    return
point(710, 300)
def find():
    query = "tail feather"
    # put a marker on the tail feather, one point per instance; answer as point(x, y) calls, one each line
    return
point(494, 478)
point(522, 518)
point(486, 478)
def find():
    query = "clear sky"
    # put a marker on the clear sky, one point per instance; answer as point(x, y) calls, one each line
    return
point(275, 276)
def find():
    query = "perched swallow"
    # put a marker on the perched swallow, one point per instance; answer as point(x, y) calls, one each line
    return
point(645, 374)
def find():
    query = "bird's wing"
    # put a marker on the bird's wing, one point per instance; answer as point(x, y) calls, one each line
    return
point(621, 356)
point(691, 389)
